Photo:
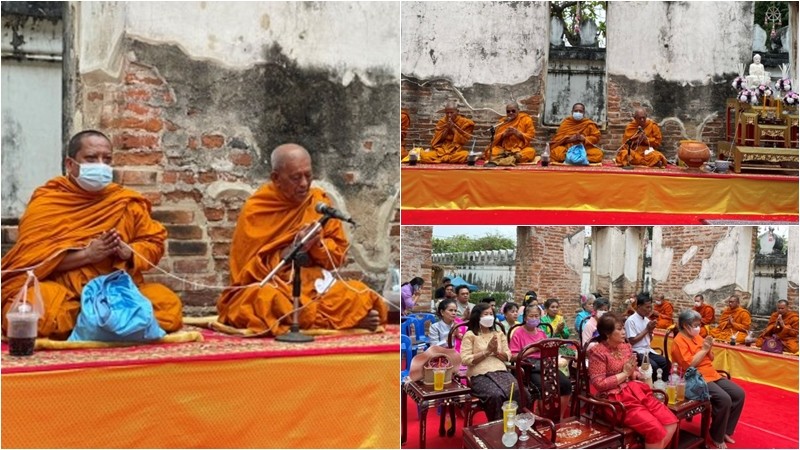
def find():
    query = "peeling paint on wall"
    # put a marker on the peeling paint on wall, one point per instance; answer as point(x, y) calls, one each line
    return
point(729, 264)
point(661, 259)
point(688, 255)
point(573, 251)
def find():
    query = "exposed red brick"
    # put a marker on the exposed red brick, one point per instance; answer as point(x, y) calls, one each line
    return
point(214, 214)
point(137, 158)
point(192, 144)
point(134, 123)
point(241, 159)
point(138, 108)
point(350, 177)
point(176, 196)
point(128, 141)
point(94, 96)
point(220, 233)
point(207, 177)
point(184, 232)
point(212, 140)
point(176, 216)
point(221, 249)
point(191, 265)
point(137, 94)
point(135, 177)
point(153, 197)
point(233, 215)
point(368, 145)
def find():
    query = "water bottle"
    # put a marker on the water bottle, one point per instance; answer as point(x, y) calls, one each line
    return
point(672, 387)
point(659, 383)
point(510, 436)
point(546, 155)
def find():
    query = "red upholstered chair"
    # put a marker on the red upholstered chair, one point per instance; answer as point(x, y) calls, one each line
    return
point(576, 431)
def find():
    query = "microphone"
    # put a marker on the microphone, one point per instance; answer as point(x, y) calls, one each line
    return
point(330, 211)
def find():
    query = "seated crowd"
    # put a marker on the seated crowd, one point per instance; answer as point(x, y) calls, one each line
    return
point(576, 141)
point(615, 348)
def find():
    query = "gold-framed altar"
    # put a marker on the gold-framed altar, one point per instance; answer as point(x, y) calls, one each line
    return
point(762, 138)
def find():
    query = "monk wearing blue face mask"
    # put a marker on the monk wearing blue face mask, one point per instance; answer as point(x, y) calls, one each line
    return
point(576, 129)
point(76, 228)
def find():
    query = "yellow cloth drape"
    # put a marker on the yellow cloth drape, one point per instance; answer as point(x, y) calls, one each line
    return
point(512, 189)
point(339, 401)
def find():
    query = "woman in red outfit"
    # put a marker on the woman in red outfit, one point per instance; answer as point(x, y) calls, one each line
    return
point(613, 375)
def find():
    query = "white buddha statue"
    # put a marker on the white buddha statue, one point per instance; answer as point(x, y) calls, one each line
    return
point(756, 74)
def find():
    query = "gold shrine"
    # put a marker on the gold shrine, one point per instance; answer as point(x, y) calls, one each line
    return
point(762, 137)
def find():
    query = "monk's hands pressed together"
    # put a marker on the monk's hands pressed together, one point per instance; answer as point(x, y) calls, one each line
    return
point(101, 247)
point(780, 320)
point(123, 251)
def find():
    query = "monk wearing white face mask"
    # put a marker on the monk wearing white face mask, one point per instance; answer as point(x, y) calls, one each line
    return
point(77, 227)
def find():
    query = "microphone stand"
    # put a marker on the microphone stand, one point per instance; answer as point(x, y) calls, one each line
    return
point(489, 163)
point(294, 334)
point(628, 165)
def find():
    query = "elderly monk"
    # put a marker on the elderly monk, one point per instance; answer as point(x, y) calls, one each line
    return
point(453, 131)
point(576, 129)
point(513, 135)
point(405, 123)
point(706, 312)
point(783, 324)
point(279, 213)
point(76, 228)
point(643, 136)
point(662, 312)
point(734, 319)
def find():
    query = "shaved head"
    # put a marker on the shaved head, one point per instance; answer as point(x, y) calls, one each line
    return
point(291, 172)
point(639, 112)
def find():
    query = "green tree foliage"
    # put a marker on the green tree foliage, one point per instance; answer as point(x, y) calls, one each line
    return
point(565, 12)
point(464, 243)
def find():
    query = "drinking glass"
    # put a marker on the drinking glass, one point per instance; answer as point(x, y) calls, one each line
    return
point(524, 421)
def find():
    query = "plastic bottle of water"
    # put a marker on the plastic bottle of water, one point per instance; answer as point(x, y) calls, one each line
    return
point(672, 387)
point(546, 155)
point(659, 383)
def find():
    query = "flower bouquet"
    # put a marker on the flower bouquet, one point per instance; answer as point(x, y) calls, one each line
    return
point(791, 99)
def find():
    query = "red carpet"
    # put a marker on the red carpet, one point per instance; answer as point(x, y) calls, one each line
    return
point(769, 420)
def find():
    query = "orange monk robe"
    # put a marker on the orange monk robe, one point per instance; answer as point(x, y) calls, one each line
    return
point(642, 145)
point(570, 126)
point(787, 334)
point(741, 324)
point(62, 216)
point(662, 314)
point(447, 146)
point(506, 141)
point(707, 314)
point(267, 225)
point(405, 123)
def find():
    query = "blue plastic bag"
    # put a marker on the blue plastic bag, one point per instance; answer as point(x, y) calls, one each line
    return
point(576, 155)
point(113, 309)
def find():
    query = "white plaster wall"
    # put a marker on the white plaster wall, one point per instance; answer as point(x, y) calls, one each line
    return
point(573, 251)
point(474, 42)
point(633, 243)
point(705, 39)
point(348, 38)
point(730, 263)
point(608, 259)
point(792, 270)
point(661, 259)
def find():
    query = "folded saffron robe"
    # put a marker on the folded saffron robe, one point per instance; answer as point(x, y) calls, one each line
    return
point(405, 123)
point(62, 216)
point(267, 224)
point(707, 314)
point(663, 314)
point(641, 145)
point(570, 126)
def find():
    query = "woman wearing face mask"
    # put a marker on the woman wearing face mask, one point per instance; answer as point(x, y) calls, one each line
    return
point(727, 398)
point(447, 312)
point(556, 320)
point(528, 334)
point(587, 307)
point(484, 351)
point(589, 331)
point(613, 375)
point(409, 293)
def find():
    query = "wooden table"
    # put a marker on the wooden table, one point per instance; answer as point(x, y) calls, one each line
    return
point(686, 410)
point(772, 156)
point(489, 435)
point(425, 397)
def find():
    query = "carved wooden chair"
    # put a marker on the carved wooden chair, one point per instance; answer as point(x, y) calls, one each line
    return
point(578, 430)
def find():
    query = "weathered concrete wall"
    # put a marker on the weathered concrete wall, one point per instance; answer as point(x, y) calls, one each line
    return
point(617, 260)
point(480, 53)
point(713, 261)
point(194, 110)
point(792, 270)
point(678, 67)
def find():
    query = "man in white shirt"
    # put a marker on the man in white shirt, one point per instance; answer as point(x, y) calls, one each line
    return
point(462, 302)
point(639, 330)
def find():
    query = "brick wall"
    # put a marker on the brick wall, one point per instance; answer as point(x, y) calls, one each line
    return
point(540, 267)
point(416, 257)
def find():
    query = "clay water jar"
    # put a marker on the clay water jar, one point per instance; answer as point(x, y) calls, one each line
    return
point(694, 154)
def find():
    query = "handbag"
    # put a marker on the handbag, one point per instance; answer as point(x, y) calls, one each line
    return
point(772, 344)
point(696, 387)
point(576, 155)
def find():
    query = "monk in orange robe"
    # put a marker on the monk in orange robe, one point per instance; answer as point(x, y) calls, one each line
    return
point(643, 136)
point(405, 123)
point(74, 229)
point(453, 131)
point(734, 319)
point(270, 221)
point(576, 129)
point(784, 325)
point(706, 312)
point(513, 135)
point(662, 312)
